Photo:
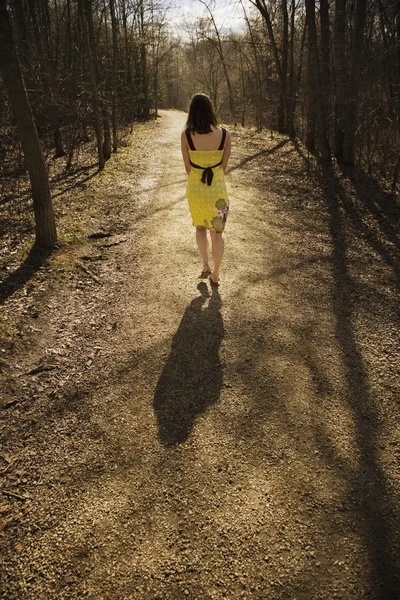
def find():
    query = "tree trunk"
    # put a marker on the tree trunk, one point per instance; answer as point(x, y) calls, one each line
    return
point(68, 39)
point(143, 57)
point(95, 62)
point(398, 55)
point(114, 75)
point(262, 7)
point(354, 86)
point(93, 85)
point(128, 62)
point(311, 116)
point(46, 234)
point(340, 75)
point(258, 71)
point(291, 87)
point(323, 143)
point(221, 55)
point(325, 60)
point(46, 76)
point(282, 117)
point(22, 32)
point(296, 86)
point(244, 99)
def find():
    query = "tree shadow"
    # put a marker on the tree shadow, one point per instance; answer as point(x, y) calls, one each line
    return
point(263, 152)
point(380, 204)
point(368, 487)
point(305, 158)
point(18, 278)
point(75, 183)
point(191, 379)
point(72, 179)
point(374, 217)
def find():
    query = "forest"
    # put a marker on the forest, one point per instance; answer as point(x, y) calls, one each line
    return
point(326, 73)
point(184, 415)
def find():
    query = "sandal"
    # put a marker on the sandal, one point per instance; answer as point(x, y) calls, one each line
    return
point(205, 274)
point(212, 282)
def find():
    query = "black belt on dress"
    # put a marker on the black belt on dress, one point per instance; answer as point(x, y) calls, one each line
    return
point(208, 174)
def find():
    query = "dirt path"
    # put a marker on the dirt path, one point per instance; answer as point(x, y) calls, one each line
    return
point(229, 444)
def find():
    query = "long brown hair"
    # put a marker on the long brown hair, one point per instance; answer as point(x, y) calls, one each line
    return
point(201, 115)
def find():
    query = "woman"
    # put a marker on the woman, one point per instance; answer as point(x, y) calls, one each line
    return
point(206, 149)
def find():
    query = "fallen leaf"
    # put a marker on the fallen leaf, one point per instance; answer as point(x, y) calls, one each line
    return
point(4, 523)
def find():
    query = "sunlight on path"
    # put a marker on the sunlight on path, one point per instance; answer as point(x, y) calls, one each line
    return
point(231, 457)
point(234, 405)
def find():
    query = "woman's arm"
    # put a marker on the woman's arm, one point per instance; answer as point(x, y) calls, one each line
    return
point(185, 152)
point(227, 151)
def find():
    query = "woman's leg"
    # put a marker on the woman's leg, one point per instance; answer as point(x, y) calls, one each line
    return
point(217, 242)
point(202, 243)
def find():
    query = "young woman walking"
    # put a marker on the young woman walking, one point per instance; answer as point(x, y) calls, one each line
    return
point(206, 149)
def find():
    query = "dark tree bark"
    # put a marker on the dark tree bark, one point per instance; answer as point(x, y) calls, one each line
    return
point(323, 143)
point(43, 49)
point(92, 83)
point(114, 75)
point(46, 234)
point(128, 62)
point(143, 57)
point(325, 60)
point(311, 115)
point(22, 31)
point(68, 49)
point(398, 54)
point(263, 9)
point(282, 117)
point(291, 82)
point(257, 72)
point(397, 75)
point(348, 156)
point(340, 75)
point(95, 62)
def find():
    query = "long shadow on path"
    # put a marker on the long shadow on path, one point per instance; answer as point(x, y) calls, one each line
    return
point(368, 486)
point(18, 278)
point(192, 377)
point(263, 152)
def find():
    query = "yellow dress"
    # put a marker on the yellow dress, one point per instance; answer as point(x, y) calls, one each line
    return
point(206, 188)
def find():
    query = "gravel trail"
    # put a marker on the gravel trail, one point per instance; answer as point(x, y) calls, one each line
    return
point(226, 443)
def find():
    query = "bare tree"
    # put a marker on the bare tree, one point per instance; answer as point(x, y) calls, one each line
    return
point(257, 69)
point(325, 59)
point(223, 61)
point(112, 61)
point(93, 84)
point(97, 75)
point(348, 155)
point(282, 75)
point(282, 114)
point(114, 74)
point(323, 143)
point(340, 74)
point(46, 234)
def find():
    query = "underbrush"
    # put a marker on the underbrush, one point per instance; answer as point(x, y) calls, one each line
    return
point(84, 201)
